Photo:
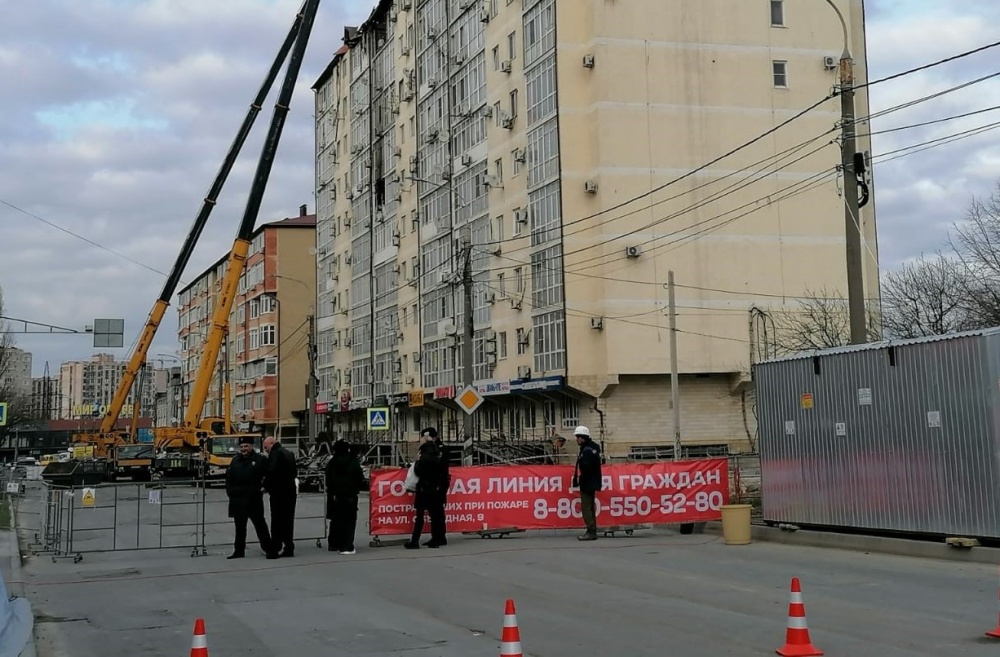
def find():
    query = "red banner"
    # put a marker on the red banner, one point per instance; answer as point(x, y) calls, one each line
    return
point(541, 497)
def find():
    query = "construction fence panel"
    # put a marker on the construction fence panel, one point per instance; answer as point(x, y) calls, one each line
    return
point(74, 521)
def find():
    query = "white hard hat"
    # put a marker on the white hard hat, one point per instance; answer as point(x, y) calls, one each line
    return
point(581, 431)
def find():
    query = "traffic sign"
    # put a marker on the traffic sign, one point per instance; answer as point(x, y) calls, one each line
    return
point(88, 498)
point(3, 414)
point(378, 419)
point(470, 399)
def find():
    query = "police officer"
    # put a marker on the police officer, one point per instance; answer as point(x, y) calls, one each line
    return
point(246, 498)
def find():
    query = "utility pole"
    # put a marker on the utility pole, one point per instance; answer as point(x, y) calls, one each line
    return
point(675, 392)
point(852, 212)
point(469, 332)
point(311, 387)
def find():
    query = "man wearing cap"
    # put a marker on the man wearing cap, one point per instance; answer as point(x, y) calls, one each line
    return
point(587, 476)
point(246, 499)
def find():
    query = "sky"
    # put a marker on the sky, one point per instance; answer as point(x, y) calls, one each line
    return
point(115, 116)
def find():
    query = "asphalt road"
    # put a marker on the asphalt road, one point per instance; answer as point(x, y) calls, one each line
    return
point(652, 594)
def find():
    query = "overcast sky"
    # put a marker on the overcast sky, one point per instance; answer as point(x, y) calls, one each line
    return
point(115, 116)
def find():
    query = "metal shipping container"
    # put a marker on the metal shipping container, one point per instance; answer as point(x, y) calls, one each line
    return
point(891, 436)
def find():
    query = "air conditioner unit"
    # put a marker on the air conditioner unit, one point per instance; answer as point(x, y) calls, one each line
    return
point(484, 15)
point(488, 111)
point(493, 181)
point(432, 33)
point(515, 304)
point(347, 341)
point(590, 186)
point(395, 267)
point(405, 50)
point(519, 155)
point(432, 136)
point(397, 366)
point(520, 216)
point(524, 372)
point(347, 378)
point(466, 160)
point(431, 83)
point(405, 4)
point(505, 66)
point(597, 323)
point(335, 342)
point(491, 297)
point(633, 251)
point(459, 60)
point(407, 93)
point(395, 242)
point(415, 357)
point(410, 380)
point(830, 62)
point(398, 151)
point(588, 61)
point(349, 194)
point(413, 164)
point(506, 121)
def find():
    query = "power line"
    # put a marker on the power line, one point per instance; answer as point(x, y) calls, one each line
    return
point(911, 71)
point(81, 237)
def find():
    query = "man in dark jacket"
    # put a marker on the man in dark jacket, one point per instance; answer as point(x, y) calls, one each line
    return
point(246, 501)
point(279, 482)
point(429, 496)
point(587, 476)
point(431, 434)
point(344, 480)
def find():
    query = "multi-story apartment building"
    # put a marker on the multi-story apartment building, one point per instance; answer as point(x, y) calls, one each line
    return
point(45, 395)
point(266, 354)
point(581, 175)
point(15, 372)
point(87, 387)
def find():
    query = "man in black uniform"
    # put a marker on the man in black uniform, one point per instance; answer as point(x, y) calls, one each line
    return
point(279, 482)
point(431, 434)
point(246, 500)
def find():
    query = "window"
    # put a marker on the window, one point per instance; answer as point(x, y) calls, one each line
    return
point(780, 72)
point(522, 342)
point(496, 58)
point(496, 114)
point(270, 366)
point(519, 280)
point(777, 13)
point(498, 169)
point(515, 157)
point(255, 308)
point(512, 46)
point(502, 347)
point(267, 335)
point(502, 286)
point(513, 103)
point(267, 304)
point(498, 230)
point(254, 338)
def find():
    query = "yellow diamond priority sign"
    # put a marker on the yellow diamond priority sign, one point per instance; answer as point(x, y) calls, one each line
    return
point(469, 399)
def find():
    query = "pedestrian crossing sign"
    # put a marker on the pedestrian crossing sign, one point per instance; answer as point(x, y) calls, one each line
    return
point(378, 419)
point(3, 414)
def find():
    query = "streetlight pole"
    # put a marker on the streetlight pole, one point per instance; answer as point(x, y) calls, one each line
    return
point(852, 212)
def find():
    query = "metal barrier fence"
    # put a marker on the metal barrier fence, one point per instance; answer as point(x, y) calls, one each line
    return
point(74, 521)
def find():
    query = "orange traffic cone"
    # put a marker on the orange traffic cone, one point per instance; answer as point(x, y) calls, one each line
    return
point(797, 642)
point(995, 633)
point(199, 643)
point(510, 639)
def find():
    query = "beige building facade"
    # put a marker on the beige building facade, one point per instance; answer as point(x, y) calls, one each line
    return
point(583, 146)
point(266, 354)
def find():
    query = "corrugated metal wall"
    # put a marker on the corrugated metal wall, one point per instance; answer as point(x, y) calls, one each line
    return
point(901, 437)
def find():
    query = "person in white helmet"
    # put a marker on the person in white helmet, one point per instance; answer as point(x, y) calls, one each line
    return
point(587, 476)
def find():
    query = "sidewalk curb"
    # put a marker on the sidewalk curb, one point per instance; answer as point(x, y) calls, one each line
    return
point(15, 588)
point(865, 543)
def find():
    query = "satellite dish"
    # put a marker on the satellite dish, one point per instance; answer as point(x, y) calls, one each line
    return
point(447, 327)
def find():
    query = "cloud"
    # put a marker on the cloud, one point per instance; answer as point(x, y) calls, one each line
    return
point(115, 120)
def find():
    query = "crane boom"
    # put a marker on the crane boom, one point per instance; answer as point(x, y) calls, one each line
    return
point(170, 286)
point(241, 246)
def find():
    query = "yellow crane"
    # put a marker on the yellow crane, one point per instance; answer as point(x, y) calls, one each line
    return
point(204, 446)
point(107, 438)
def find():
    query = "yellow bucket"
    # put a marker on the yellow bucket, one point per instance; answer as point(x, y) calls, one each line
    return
point(736, 524)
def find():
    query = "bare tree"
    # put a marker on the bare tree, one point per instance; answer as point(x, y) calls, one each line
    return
point(977, 245)
point(18, 405)
point(821, 321)
point(926, 297)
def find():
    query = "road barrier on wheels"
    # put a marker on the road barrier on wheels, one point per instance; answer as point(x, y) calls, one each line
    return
point(74, 521)
point(507, 499)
